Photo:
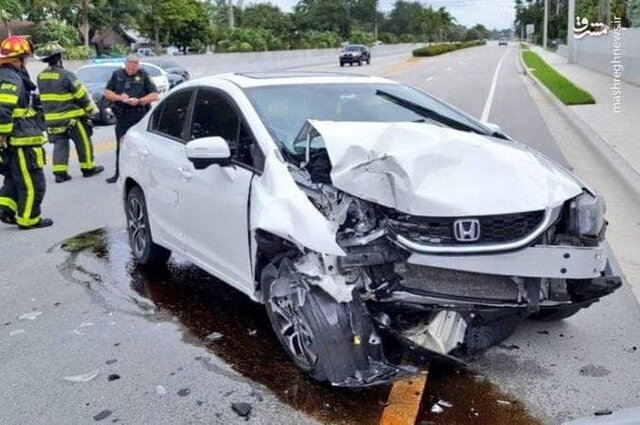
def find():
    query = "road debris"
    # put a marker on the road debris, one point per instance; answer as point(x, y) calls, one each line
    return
point(445, 404)
point(16, 332)
point(184, 392)
point(85, 377)
point(603, 412)
point(32, 315)
point(102, 415)
point(436, 408)
point(213, 336)
point(110, 361)
point(160, 390)
point(86, 324)
point(504, 402)
point(113, 377)
point(242, 409)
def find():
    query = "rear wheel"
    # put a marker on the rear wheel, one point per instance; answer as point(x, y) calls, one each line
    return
point(143, 249)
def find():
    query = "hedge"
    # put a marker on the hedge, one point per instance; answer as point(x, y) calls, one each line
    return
point(438, 49)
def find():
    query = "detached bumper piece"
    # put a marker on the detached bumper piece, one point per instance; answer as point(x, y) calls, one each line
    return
point(377, 373)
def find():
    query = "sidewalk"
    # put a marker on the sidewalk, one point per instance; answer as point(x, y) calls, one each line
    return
point(620, 131)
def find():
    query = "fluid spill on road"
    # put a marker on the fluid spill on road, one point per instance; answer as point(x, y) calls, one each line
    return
point(237, 330)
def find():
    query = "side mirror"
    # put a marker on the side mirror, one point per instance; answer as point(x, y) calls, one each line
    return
point(208, 151)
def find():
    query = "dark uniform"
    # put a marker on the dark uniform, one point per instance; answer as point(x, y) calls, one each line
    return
point(138, 86)
point(66, 104)
point(24, 184)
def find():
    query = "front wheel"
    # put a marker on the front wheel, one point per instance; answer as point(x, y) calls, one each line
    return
point(328, 340)
point(143, 249)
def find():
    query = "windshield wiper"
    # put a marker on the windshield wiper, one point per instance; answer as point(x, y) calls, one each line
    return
point(428, 113)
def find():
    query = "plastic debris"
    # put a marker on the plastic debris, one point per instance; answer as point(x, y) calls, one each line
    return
point(436, 408)
point(16, 332)
point(242, 409)
point(160, 390)
point(184, 392)
point(603, 412)
point(214, 336)
point(253, 332)
point(113, 377)
point(102, 415)
point(445, 404)
point(504, 402)
point(85, 324)
point(85, 377)
point(32, 315)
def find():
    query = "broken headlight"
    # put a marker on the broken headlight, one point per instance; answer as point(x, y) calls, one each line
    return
point(586, 215)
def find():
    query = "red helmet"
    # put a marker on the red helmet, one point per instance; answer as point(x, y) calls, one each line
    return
point(15, 46)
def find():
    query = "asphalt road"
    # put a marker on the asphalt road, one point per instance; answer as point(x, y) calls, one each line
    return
point(95, 311)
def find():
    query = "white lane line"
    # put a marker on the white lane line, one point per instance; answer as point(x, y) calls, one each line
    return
point(487, 105)
point(429, 79)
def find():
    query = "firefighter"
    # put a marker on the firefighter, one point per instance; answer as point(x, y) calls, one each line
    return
point(67, 113)
point(132, 91)
point(21, 138)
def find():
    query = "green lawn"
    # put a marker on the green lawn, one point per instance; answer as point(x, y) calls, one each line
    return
point(564, 89)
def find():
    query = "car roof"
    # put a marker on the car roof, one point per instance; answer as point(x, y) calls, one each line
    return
point(261, 79)
point(113, 64)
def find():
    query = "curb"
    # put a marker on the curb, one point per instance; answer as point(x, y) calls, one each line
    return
point(615, 161)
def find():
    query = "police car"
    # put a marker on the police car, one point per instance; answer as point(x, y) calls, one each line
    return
point(96, 76)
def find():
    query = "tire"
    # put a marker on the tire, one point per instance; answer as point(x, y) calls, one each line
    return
point(316, 331)
point(368, 61)
point(341, 64)
point(555, 314)
point(359, 62)
point(483, 336)
point(143, 250)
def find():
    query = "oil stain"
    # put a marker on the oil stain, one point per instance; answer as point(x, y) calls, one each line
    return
point(203, 305)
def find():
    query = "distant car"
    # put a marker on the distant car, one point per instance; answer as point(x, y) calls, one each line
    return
point(96, 76)
point(355, 53)
point(503, 42)
point(176, 73)
point(145, 51)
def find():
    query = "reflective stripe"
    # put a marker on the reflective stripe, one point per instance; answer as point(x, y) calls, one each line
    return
point(60, 168)
point(49, 76)
point(57, 116)
point(11, 99)
point(91, 107)
point(53, 97)
point(9, 203)
point(80, 93)
point(6, 128)
point(24, 113)
point(25, 219)
point(88, 164)
point(39, 156)
point(27, 141)
point(57, 130)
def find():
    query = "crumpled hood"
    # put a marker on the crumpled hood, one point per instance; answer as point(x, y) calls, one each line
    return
point(428, 170)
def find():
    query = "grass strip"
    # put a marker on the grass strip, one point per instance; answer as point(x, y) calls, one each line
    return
point(563, 89)
point(439, 49)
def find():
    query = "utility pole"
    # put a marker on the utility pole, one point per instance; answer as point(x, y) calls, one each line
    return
point(571, 41)
point(232, 22)
point(545, 24)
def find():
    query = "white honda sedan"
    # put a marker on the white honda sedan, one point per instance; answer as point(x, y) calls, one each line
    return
point(362, 213)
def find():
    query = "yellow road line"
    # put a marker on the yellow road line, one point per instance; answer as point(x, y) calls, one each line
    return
point(401, 66)
point(404, 401)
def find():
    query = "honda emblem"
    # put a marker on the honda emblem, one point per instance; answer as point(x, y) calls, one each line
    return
point(467, 230)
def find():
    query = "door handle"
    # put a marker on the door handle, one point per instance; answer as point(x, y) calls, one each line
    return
point(184, 173)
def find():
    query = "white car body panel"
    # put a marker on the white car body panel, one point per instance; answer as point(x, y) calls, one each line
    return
point(211, 217)
point(428, 170)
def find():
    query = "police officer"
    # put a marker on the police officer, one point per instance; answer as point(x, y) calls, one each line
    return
point(21, 138)
point(132, 91)
point(67, 109)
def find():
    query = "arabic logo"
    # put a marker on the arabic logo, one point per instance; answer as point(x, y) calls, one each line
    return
point(582, 27)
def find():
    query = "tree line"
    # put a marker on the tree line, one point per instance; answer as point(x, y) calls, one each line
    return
point(229, 27)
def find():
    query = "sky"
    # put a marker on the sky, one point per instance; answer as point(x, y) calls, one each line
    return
point(490, 13)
